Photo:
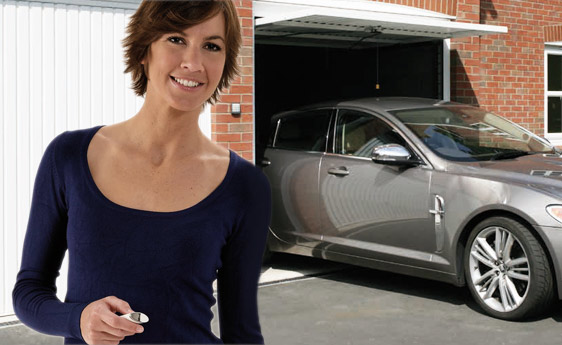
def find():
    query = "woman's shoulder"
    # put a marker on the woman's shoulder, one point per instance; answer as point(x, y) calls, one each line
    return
point(249, 180)
point(246, 170)
point(71, 139)
point(66, 147)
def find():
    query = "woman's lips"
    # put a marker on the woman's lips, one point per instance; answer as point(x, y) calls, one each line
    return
point(186, 84)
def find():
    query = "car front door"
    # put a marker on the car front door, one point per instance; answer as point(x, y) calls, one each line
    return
point(373, 210)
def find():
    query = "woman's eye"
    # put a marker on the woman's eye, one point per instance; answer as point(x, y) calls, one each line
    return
point(175, 39)
point(212, 47)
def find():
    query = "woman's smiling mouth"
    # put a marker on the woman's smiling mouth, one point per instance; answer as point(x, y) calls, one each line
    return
point(186, 83)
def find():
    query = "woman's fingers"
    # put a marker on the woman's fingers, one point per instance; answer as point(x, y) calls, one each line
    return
point(118, 305)
point(100, 325)
point(119, 326)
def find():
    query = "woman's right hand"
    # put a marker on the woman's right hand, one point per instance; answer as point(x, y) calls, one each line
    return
point(100, 325)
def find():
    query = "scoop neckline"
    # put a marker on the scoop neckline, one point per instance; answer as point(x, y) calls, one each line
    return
point(106, 201)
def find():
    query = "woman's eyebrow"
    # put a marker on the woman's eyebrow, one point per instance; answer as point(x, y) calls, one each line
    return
point(215, 37)
point(209, 38)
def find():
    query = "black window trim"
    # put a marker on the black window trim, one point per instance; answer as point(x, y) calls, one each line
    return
point(276, 130)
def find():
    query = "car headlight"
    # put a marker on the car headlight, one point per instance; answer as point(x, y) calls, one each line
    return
point(555, 212)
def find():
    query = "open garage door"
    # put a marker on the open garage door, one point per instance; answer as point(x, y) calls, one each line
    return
point(311, 51)
point(339, 27)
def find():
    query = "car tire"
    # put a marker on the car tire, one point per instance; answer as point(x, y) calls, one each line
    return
point(514, 281)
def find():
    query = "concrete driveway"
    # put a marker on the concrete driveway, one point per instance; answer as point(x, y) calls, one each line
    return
point(311, 301)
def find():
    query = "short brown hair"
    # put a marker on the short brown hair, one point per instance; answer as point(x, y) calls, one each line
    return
point(155, 18)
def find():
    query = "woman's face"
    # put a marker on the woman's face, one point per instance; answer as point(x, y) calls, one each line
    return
point(184, 68)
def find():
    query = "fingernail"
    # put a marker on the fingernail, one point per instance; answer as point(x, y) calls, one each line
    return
point(131, 311)
point(140, 329)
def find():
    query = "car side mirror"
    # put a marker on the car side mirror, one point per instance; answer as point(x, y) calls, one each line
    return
point(393, 154)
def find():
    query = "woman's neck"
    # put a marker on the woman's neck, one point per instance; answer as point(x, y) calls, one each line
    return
point(165, 133)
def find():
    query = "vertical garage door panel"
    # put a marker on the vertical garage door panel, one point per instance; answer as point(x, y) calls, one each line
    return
point(35, 97)
point(9, 254)
point(48, 76)
point(96, 67)
point(2, 156)
point(22, 124)
point(61, 69)
point(72, 68)
point(84, 66)
point(118, 27)
point(107, 66)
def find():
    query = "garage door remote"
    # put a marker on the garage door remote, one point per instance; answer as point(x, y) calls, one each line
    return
point(136, 317)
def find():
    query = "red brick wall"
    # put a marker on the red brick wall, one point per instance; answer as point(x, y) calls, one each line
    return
point(465, 57)
point(553, 33)
point(443, 6)
point(237, 132)
point(505, 71)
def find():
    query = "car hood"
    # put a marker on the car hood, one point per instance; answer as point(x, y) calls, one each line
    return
point(543, 171)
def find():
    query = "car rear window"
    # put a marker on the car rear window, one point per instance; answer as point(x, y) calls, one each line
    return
point(305, 131)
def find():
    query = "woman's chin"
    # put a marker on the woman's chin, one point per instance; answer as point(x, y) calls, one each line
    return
point(186, 106)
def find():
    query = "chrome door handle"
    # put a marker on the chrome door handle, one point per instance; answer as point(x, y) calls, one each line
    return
point(341, 171)
point(439, 206)
point(265, 162)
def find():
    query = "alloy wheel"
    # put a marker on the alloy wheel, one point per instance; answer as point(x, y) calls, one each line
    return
point(499, 269)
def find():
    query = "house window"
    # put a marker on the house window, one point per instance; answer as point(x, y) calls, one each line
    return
point(553, 94)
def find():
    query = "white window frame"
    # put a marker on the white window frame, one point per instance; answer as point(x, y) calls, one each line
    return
point(552, 48)
point(447, 70)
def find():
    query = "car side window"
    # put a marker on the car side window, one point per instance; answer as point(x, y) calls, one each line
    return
point(359, 133)
point(305, 131)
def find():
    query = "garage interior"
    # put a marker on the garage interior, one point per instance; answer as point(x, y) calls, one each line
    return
point(287, 77)
point(294, 70)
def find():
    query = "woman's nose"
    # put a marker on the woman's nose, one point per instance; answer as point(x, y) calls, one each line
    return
point(192, 59)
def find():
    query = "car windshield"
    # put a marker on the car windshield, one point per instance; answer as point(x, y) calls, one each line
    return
point(463, 133)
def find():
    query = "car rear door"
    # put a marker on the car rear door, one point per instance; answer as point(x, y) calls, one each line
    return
point(292, 161)
point(373, 210)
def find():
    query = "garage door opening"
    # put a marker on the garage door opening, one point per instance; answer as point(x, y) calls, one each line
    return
point(287, 77)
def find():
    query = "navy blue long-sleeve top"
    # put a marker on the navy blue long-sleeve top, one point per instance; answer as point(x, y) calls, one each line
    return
point(162, 263)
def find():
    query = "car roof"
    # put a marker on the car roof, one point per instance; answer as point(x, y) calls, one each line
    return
point(393, 103)
point(373, 103)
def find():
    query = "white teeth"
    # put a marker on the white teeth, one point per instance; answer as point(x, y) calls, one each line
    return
point(188, 83)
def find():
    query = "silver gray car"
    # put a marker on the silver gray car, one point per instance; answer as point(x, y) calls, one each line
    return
point(422, 187)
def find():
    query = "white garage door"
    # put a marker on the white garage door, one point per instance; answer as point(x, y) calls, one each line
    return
point(61, 69)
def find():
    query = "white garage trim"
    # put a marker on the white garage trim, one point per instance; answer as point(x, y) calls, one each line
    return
point(331, 23)
point(266, 8)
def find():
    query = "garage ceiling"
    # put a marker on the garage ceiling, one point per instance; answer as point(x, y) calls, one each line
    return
point(362, 29)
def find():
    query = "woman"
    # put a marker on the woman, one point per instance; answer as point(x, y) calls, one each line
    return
point(150, 210)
